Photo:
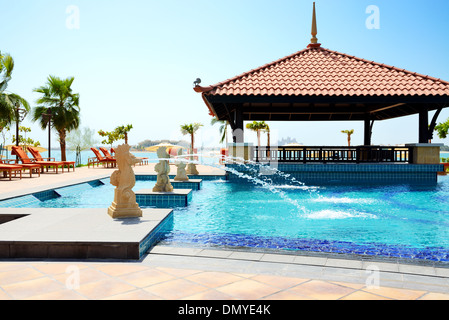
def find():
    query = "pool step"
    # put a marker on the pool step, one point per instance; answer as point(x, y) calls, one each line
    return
point(194, 184)
point(177, 198)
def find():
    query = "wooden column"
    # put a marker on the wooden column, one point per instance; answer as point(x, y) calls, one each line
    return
point(367, 134)
point(423, 126)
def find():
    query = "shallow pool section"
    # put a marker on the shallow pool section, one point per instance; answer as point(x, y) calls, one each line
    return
point(400, 221)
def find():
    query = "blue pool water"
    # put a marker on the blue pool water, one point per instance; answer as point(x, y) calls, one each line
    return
point(395, 221)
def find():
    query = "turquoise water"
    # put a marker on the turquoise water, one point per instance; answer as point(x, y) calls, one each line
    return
point(392, 220)
point(395, 215)
point(401, 220)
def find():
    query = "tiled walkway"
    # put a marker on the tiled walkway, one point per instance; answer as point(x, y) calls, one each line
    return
point(137, 281)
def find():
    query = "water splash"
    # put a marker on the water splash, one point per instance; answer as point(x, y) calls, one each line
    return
point(268, 185)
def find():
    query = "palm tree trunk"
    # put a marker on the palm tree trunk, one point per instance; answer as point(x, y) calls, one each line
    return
point(192, 142)
point(226, 133)
point(62, 144)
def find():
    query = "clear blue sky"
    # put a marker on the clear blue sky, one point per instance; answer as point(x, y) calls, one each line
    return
point(135, 61)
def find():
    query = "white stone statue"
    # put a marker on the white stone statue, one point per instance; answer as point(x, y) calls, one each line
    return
point(181, 165)
point(124, 205)
point(163, 169)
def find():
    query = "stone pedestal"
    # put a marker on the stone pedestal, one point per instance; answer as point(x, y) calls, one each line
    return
point(240, 152)
point(194, 184)
point(425, 153)
point(191, 169)
point(176, 198)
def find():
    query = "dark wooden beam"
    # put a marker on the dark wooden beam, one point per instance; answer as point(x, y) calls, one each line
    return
point(433, 123)
point(423, 126)
point(387, 100)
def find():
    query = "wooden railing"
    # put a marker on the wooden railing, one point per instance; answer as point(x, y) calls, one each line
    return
point(359, 154)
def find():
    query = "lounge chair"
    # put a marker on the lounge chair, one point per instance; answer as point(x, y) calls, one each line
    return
point(37, 156)
point(10, 168)
point(18, 151)
point(99, 159)
point(13, 167)
point(106, 153)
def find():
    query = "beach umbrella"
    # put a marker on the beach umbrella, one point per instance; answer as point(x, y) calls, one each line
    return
point(163, 145)
point(40, 149)
point(293, 145)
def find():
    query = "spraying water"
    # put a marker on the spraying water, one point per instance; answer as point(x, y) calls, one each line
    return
point(257, 181)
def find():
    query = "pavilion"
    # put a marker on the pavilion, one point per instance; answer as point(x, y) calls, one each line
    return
point(318, 84)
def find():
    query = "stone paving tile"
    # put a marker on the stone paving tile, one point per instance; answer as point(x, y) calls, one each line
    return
point(4, 295)
point(30, 288)
point(322, 290)
point(116, 270)
point(286, 295)
point(435, 296)
point(175, 289)
point(128, 281)
point(134, 295)
point(58, 295)
point(362, 295)
point(248, 289)
point(213, 279)
point(209, 295)
point(104, 288)
point(278, 281)
point(86, 275)
point(20, 275)
point(146, 278)
point(394, 293)
point(56, 269)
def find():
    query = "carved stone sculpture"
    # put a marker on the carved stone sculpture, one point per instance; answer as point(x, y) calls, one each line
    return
point(163, 169)
point(181, 173)
point(124, 205)
point(191, 167)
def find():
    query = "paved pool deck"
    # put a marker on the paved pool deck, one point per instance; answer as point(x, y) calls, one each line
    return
point(170, 273)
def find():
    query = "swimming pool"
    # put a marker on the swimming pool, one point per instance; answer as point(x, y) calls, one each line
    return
point(387, 221)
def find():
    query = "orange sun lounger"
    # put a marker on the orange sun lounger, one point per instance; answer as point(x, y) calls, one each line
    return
point(99, 159)
point(13, 167)
point(18, 151)
point(37, 156)
point(10, 168)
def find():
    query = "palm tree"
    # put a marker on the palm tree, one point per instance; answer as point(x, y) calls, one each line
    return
point(6, 68)
point(122, 132)
point(258, 127)
point(349, 133)
point(11, 104)
point(58, 100)
point(191, 129)
point(223, 129)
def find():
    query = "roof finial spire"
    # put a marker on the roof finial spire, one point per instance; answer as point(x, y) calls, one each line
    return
point(314, 41)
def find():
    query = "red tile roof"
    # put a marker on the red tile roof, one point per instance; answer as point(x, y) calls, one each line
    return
point(323, 72)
